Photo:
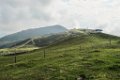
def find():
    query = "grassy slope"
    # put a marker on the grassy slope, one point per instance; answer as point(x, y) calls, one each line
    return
point(90, 56)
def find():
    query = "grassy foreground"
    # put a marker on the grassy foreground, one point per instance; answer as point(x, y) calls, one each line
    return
point(91, 57)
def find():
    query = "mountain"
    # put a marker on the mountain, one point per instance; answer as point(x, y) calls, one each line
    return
point(74, 55)
point(59, 38)
point(40, 41)
point(32, 33)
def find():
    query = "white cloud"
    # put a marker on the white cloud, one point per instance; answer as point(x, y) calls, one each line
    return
point(16, 15)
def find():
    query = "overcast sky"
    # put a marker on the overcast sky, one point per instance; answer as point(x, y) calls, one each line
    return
point(17, 15)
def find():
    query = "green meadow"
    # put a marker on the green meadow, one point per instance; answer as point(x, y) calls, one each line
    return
point(92, 56)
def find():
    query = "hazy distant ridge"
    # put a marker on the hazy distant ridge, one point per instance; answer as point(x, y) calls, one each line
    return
point(30, 33)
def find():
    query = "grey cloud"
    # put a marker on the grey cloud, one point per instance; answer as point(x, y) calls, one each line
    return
point(17, 15)
point(22, 10)
point(44, 2)
point(38, 14)
point(66, 0)
point(8, 3)
point(20, 3)
point(6, 15)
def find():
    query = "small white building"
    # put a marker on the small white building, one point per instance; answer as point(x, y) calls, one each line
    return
point(92, 30)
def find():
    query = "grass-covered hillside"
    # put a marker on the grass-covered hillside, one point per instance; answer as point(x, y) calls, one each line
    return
point(89, 56)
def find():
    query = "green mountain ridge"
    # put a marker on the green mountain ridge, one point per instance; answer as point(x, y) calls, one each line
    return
point(55, 38)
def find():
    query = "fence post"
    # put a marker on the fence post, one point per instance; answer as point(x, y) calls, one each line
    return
point(15, 58)
point(110, 42)
point(80, 48)
point(44, 53)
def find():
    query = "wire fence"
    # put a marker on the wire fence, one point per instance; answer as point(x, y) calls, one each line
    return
point(8, 58)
